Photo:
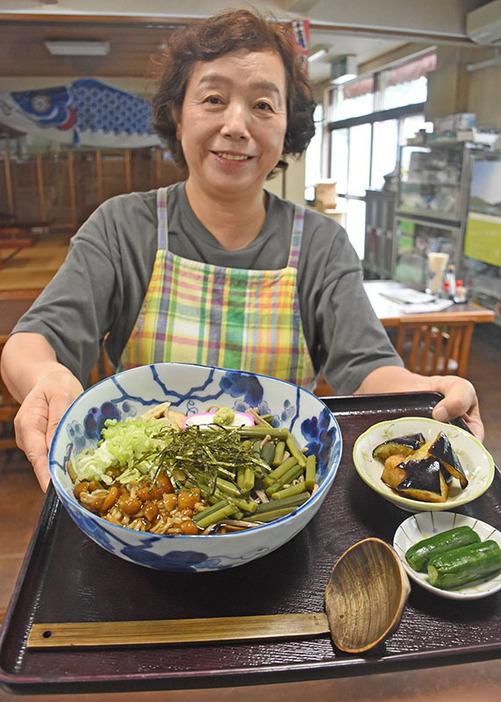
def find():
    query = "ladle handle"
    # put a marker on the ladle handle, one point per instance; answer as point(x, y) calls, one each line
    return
point(176, 631)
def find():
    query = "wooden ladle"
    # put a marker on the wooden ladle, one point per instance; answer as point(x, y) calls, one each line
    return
point(365, 595)
point(364, 600)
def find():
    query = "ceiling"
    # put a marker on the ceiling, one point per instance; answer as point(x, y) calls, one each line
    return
point(136, 40)
point(133, 46)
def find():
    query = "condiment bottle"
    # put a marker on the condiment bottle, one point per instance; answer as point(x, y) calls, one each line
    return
point(460, 292)
point(450, 277)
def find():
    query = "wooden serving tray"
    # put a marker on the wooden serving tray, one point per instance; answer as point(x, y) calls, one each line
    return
point(66, 577)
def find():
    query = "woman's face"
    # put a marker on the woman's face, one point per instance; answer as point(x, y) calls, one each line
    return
point(233, 122)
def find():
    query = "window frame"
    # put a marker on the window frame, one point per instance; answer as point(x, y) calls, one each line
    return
point(396, 113)
point(377, 115)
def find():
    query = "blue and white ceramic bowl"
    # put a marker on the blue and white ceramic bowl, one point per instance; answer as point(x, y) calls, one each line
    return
point(190, 389)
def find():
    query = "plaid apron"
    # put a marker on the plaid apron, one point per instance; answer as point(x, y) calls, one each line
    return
point(210, 315)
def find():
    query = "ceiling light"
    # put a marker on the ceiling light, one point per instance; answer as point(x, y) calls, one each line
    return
point(77, 47)
point(317, 54)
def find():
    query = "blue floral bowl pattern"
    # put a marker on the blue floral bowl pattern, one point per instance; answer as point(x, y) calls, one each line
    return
point(190, 389)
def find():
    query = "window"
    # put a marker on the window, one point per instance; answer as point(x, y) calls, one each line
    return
point(359, 158)
point(339, 151)
point(406, 84)
point(313, 156)
point(353, 99)
point(384, 151)
point(369, 118)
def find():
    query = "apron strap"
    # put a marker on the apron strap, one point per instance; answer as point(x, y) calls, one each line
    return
point(162, 219)
point(297, 235)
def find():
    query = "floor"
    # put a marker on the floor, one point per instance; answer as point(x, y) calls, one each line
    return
point(22, 269)
point(21, 501)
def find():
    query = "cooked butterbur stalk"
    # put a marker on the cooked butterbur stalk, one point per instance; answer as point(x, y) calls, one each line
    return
point(206, 520)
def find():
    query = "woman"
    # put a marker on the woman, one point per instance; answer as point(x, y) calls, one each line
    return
point(213, 270)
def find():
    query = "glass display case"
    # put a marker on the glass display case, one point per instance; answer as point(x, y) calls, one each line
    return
point(434, 181)
point(431, 207)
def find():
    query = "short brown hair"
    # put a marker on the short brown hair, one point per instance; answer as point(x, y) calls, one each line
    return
point(224, 33)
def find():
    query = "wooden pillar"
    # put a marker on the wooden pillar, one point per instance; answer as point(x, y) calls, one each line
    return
point(8, 185)
point(128, 172)
point(40, 186)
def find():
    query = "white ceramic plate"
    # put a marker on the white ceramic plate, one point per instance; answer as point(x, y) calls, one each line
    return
point(476, 461)
point(426, 524)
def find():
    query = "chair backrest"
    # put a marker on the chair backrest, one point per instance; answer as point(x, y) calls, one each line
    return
point(437, 348)
point(8, 410)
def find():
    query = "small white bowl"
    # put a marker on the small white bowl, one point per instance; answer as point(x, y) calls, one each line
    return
point(477, 463)
point(426, 524)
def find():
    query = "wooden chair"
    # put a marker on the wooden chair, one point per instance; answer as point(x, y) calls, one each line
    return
point(322, 388)
point(8, 409)
point(438, 348)
point(102, 369)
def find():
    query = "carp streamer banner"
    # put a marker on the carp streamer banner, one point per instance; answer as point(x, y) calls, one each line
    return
point(85, 113)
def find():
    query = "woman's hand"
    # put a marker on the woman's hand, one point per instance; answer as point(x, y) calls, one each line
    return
point(44, 388)
point(460, 398)
point(39, 415)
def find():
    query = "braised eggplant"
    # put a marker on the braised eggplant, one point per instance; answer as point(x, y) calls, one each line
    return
point(394, 470)
point(397, 467)
point(422, 470)
point(424, 480)
point(442, 449)
point(401, 445)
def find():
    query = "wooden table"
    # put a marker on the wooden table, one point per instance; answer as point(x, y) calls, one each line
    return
point(390, 312)
point(430, 342)
point(15, 236)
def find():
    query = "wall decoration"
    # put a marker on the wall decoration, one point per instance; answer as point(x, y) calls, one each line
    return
point(85, 113)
